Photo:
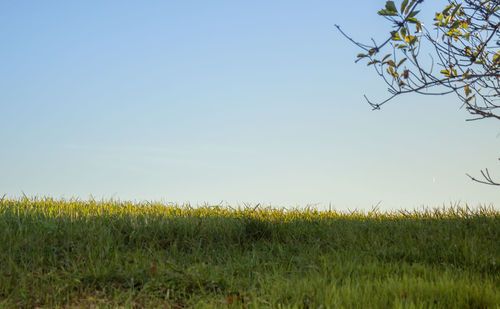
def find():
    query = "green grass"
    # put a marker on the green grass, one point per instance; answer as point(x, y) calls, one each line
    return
point(65, 253)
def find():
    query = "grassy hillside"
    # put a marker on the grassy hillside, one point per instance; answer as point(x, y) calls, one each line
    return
point(108, 254)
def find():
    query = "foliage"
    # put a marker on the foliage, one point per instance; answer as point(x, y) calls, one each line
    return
point(464, 50)
point(465, 45)
point(57, 253)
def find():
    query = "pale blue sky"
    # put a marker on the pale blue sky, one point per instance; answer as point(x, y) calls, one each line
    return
point(210, 101)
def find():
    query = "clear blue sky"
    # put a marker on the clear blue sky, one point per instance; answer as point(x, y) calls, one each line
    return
point(210, 101)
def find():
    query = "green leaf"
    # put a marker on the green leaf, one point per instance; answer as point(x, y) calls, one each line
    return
point(390, 6)
point(386, 56)
point(455, 24)
point(403, 5)
point(447, 9)
point(395, 36)
point(414, 21)
point(447, 73)
point(414, 13)
point(387, 13)
point(467, 90)
point(391, 63)
point(391, 71)
point(409, 6)
point(401, 62)
point(496, 58)
point(403, 32)
point(361, 55)
point(418, 27)
point(456, 9)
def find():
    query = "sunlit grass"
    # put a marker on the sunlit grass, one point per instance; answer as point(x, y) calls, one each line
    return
point(111, 253)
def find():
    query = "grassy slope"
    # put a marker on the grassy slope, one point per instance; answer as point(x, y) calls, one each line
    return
point(70, 253)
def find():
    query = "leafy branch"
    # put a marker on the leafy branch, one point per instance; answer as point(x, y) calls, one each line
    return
point(464, 50)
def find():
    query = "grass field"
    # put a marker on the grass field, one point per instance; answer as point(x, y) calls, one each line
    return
point(57, 253)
